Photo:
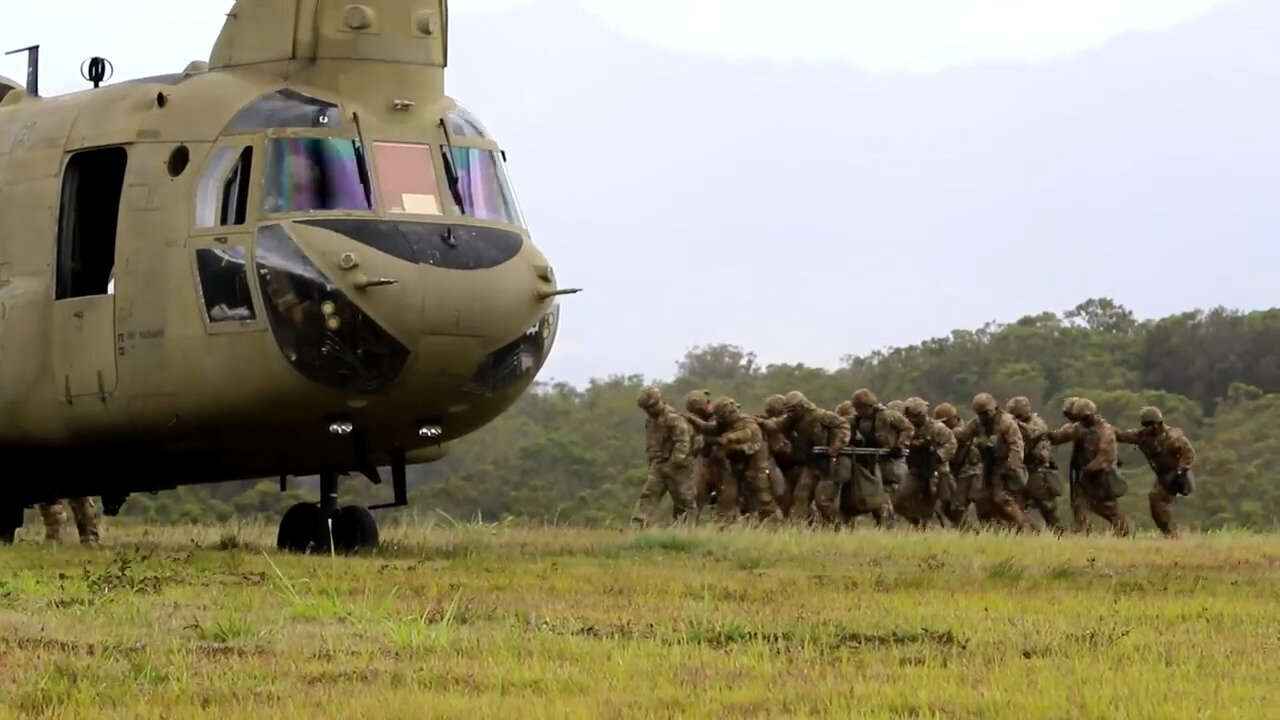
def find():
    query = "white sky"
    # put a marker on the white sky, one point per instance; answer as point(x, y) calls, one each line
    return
point(880, 35)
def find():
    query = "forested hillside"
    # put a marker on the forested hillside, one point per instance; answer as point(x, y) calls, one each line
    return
point(576, 453)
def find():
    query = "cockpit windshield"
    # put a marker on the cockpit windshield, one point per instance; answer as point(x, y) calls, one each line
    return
point(483, 189)
point(308, 173)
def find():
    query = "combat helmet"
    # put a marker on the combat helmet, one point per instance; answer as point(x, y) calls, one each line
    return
point(864, 398)
point(917, 406)
point(649, 397)
point(697, 399)
point(845, 409)
point(1084, 407)
point(1151, 414)
point(1069, 407)
point(897, 406)
point(724, 408)
point(775, 405)
point(1019, 407)
point(984, 403)
point(945, 411)
point(796, 399)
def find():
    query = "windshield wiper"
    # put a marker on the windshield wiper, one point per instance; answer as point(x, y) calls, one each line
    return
point(450, 173)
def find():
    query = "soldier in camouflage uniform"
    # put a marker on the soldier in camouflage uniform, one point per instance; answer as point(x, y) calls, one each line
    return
point(786, 462)
point(1100, 485)
point(999, 441)
point(932, 447)
point(966, 474)
point(55, 514)
point(1044, 487)
point(809, 426)
point(877, 426)
point(668, 438)
point(1171, 456)
point(749, 459)
point(875, 479)
point(710, 467)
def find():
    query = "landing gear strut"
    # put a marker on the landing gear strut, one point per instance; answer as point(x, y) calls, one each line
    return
point(323, 527)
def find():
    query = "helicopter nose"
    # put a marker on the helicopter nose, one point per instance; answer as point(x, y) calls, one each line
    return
point(424, 278)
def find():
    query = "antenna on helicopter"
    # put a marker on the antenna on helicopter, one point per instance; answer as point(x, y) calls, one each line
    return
point(33, 68)
point(96, 70)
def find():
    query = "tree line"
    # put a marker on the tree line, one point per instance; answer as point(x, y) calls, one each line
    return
point(575, 454)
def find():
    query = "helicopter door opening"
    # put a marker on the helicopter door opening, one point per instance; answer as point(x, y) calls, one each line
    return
point(84, 351)
point(91, 188)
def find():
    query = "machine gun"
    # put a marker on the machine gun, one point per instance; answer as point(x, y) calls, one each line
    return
point(820, 452)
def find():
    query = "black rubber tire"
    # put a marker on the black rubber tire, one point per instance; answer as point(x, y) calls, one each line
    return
point(355, 530)
point(303, 529)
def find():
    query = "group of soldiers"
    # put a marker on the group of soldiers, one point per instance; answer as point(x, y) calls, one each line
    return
point(803, 464)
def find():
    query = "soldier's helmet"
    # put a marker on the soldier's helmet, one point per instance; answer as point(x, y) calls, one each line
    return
point(1151, 415)
point(917, 406)
point(795, 400)
point(945, 411)
point(1084, 408)
point(697, 399)
point(845, 409)
point(649, 397)
point(775, 405)
point(984, 403)
point(724, 408)
point(1069, 406)
point(864, 398)
point(1019, 406)
point(897, 406)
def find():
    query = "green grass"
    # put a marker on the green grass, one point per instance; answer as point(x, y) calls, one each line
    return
point(502, 621)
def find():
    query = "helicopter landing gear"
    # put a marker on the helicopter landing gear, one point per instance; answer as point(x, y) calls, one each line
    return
point(311, 528)
point(10, 521)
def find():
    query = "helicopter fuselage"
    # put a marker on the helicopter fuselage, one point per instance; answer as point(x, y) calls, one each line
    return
point(295, 259)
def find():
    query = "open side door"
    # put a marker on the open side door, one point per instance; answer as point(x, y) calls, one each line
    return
point(84, 348)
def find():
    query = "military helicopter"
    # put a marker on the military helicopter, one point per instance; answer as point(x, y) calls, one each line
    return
point(298, 258)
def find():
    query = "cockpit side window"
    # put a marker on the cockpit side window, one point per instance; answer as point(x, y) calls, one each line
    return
point(235, 191)
point(308, 174)
point(222, 195)
point(482, 187)
point(224, 284)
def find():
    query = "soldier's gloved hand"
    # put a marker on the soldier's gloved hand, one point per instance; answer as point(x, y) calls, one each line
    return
point(895, 453)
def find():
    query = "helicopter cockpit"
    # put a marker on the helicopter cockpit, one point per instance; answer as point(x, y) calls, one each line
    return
point(317, 171)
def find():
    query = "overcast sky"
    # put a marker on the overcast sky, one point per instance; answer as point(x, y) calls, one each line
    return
point(954, 161)
point(879, 35)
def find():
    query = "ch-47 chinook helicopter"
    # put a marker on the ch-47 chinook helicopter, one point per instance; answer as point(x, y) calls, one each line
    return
point(298, 258)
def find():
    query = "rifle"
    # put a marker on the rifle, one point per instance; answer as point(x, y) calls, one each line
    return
point(1073, 474)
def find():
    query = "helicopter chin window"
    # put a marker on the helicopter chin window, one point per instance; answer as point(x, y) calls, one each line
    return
point(308, 174)
point(326, 337)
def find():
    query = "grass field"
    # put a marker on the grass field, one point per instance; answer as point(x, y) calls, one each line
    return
point(503, 621)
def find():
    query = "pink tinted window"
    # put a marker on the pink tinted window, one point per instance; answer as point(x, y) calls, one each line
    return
point(407, 178)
